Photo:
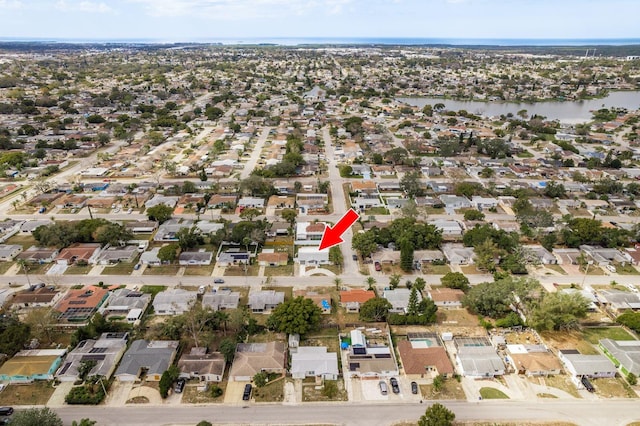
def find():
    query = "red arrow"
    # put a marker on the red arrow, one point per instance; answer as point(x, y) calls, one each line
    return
point(331, 236)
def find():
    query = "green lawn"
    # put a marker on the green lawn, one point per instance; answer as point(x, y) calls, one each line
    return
point(35, 269)
point(153, 289)
point(25, 241)
point(5, 266)
point(286, 270)
point(200, 271)
point(593, 335)
point(161, 270)
point(626, 270)
point(272, 392)
point(120, 268)
point(78, 270)
point(492, 393)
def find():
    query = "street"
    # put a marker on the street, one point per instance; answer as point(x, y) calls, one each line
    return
point(581, 412)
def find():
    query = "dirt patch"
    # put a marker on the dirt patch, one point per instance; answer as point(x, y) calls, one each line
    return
point(457, 317)
point(613, 388)
point(316, 392)
point(192, 395)
point(36, 393)
point(561, 381)
point(568, 340)
point(138, 400)
point(451, 389)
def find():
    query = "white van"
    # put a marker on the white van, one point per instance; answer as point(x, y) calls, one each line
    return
point(383, 387)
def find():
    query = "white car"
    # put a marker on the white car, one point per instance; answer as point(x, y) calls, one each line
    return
point(129, 211)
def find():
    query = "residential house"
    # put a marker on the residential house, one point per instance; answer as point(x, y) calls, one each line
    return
point(220, 300)
point(371, 355)
point(364, 187)
point(366, 202)
point(312, 256)
point(169, 201)
point(591, 366)
point(79, 253)
point(126, 303)
point(568, 256)
point(455, 202)
point(208, 227)
point(399, 299)
point(446, 298)
point(36, 297)
point(351, 300)
point(457, 254)
point(618, 300)
point(270, 257)
point(277, 229)
point(312, 203)
point(251, 202)
point(484, 203)
point(168, 231)
point(424, 258)
point(174, 301)
point(476, 358)
point(543, 255)
point(200, 257)
point(150, 257)
point(308, 233)
point(314, 361)
point(321, 300)
point(29, 365)
point(533, 360)
point(199, 364)
point(142, 226)
point(253, 358)
point(218, 201)
point(30, 225)
point(449, 228)
point(105, 352)
point(80, 304)
point(38, 255)
point(625, 354)
point(587, 294)
point(606, 256)
point(265, 300)
point(386, 257)
point(281, 202)
point(113, 255)
point(149, 357)
point(8, 252)
point(232, 255)
point(424, 357)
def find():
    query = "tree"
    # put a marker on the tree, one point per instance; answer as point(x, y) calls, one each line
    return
point(437, 415)
point(410, 209)
point(260, 379)
point(335, 256)
point(419, 283)
point(412, 306)
point(456, 280)
point(13, 335)
point(473, 215)
point(295, 316)
point(365, 243)
point(168, 253)
point(488, 255)
point(559, 311)
point(228, 349)
point(411, 184)
point(160, 212)
point(113, 234)
point(189, 238)
point(166, 380)
point(289, 215)
point(555, 190)
point(250, 214)
point(84, 422)
point(496, 299)
point(406, 255)
point(371, 282)
point(394, 280)
point(36, 417)
point(375, 309)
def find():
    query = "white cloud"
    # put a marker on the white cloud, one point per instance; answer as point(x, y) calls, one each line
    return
point(84, 6)
point(241, 9)
point(10, 4)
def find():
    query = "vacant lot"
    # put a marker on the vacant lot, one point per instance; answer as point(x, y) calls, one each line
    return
point(562, 382)
point(272, 392)
point(120, 268)
point(202, 270)
point(161, 270)
point(312, 392)
point(613, 388)
point(594, 334)
point(193, 396)
point(457, 317)
point(36, 393)
point(451, 389)
point(568, 340)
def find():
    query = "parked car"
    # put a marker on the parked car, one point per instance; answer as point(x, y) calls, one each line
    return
point(136, 267)
point(383, 387)
point(6, 411)
point(394, 385)
point(354, 257)
point(378, 266)
point(587, 384)
point(414, 388)
point(180, 385)
point(218, 281)
point(246, 395)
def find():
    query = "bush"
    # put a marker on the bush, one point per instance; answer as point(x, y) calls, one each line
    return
point(632, 379)
point(167, 379)
point(88, 394)
point(215, 391)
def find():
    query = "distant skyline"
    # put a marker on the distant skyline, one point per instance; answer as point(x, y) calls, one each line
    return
point(207, 20)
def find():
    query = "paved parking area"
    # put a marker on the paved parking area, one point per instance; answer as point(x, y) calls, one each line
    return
point(371, 391)
point(233, 393)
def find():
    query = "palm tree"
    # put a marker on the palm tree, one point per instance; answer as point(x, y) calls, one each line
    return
point(371, 282)
point(337, 281)
point(23, 265)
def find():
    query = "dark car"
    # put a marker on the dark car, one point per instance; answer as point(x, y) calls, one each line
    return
point(394, 385)
point(246, 395)
point(414, 388)
point(587, 384)
point(6, 411)
point(378, 266)
point(354, 257)
point(218, 281)
point(179, 386)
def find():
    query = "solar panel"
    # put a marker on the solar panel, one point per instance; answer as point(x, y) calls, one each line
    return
point(97, 350)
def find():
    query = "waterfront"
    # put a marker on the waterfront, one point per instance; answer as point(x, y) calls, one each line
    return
point(565, 111)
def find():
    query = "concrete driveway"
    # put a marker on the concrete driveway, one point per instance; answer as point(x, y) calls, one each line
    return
point(118, 394)
point(371, 390)
point(57, 398)
point(233, 393)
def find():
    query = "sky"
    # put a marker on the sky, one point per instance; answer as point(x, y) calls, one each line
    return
point(237, 20)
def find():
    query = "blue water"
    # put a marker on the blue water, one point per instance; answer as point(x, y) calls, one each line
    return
point(296, 41)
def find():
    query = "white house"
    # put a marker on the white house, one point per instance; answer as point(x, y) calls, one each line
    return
point(8, 252)
point(312, 256)
point(448, 227)
point(314, 361)
point(195, 258)
point(308, 233)
point(174, 301)
point(591, 366)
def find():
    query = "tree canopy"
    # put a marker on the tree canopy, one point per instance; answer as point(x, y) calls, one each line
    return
point(375, 309)
point(160, 212)
point(36, 417)
point(437, 415)
point(455, 280)
point(558, 311)
point(496, 299)
point(295, 316)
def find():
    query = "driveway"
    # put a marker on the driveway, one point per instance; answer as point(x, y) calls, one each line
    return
point(371, 390)
point(57, 398)
point(118, 394)
point(233, 393)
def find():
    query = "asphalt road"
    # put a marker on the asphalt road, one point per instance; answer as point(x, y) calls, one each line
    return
point(581, 412)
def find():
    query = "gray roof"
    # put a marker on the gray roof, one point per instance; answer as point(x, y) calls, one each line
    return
point(7, 250)
point(627, 352)
point(196, 256)
point(587, 365)
point(316, 359)
point(480, 361)
point(125, 299)
point(105, 351)
point(31, 225)
point(174, 300)
point(155, 356)
point(260, 299)
point(226, 298)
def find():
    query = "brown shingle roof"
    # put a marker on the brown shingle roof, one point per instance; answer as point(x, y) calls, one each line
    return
point(357, 295)
point(415, 361)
